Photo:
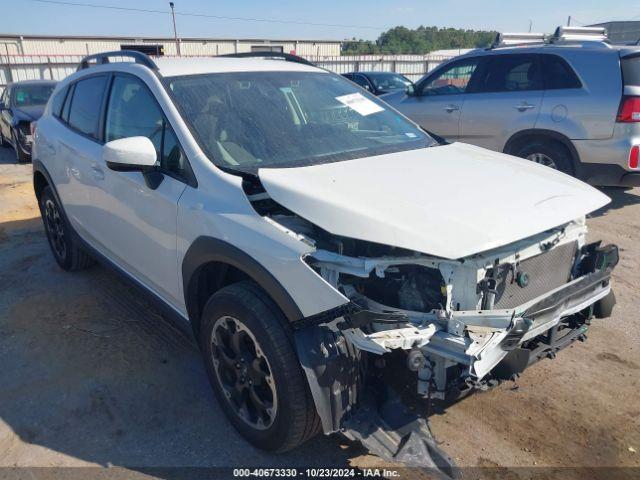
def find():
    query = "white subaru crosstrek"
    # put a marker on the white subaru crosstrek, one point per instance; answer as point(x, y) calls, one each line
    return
point(323, 250)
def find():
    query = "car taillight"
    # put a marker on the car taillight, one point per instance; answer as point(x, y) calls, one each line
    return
point(629, 110)
point(633, 156)
point(32, 128)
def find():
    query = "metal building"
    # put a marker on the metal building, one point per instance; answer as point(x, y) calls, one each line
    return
point(55, 45)
point(622, 32)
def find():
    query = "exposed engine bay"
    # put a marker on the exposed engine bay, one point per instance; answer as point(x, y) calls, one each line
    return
point(461, 325)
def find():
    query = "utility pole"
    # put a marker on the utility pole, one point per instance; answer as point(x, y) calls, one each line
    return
point(569, 21)
point(175, 30)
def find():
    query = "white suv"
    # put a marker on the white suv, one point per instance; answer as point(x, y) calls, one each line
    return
point(320, 247)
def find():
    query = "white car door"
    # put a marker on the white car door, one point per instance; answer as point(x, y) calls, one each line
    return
point(439, 99)
point(73, 150)
point(136, 213)
point(506, 97)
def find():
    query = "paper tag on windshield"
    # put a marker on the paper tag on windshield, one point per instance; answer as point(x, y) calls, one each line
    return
point(360, 104)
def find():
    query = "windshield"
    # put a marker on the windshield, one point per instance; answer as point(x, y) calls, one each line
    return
point(389, 81)
point(31, 95)
point(251, 120)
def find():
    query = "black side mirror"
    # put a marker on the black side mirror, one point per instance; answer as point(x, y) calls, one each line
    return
point(411, 90)
point(2, 106)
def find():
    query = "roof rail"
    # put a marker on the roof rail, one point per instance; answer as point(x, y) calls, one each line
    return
point(103, 58)
point(577, 34)
point(274, 55)
point(509, 39)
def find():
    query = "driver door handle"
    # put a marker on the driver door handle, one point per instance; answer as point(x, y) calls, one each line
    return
point(524, 106)
point(452, 108)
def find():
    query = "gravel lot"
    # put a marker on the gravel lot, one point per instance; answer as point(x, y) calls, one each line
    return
point(92, 375)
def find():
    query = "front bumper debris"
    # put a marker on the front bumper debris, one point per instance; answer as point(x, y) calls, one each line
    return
point(345, 357)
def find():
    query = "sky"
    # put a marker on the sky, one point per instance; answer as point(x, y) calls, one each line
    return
point(340, 19)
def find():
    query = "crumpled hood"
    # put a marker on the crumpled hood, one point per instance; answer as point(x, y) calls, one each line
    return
point(449, 201)
point(30, 113)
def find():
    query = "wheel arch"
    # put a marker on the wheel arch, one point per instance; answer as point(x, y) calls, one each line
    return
point(42, 179)
point(518, 139)
point(211, 264)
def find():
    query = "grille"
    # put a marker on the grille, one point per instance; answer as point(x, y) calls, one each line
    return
point(545, 272)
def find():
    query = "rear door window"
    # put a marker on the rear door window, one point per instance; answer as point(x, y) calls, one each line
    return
point(510, 73)
point(57, 102)
point(67, 105)
point(558, 74)
point(86, 105)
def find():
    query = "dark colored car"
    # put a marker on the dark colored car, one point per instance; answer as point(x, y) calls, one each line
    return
point(379, 82)
point(21, 104)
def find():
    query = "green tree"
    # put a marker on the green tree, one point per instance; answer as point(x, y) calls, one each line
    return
point(420, 41)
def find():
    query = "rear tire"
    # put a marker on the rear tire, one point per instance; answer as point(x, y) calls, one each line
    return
point(65, 247)
point(550, 153)
point(284, 415)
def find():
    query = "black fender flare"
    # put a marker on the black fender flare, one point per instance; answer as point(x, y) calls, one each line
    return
point(206, 249)
point(38, 167)
point(550, 134)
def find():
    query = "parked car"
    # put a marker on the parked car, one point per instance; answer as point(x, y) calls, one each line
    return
point(21, 104)
point(315, 242)
point(379, 83)
point(570, 103)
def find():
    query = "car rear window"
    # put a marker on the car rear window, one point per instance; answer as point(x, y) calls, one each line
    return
point(32, 95)
point(558, 74)
point(84, 113)
point(631, 70)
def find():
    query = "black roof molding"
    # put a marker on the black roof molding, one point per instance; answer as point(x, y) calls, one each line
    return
point(103, 58)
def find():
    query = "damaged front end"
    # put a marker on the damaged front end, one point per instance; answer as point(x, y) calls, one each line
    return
point(459, 326)
point(446, 327)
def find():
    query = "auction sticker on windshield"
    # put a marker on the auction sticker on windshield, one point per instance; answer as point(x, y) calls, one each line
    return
point(360, 104)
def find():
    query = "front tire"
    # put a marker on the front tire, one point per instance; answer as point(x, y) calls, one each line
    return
point(549, 153)
point(254, 370)
point(64, 246)
point(3, 141)
point(21, 157)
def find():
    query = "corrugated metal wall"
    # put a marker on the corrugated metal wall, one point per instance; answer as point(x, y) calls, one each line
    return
point(48, 58)
point(412, 66)
point(190, 46)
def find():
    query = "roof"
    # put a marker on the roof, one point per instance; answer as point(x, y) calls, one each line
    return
point(171, 67)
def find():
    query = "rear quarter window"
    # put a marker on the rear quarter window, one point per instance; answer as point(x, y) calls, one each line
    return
point(57, 101)
point(86, 104)
point(631, 70)
point(558, 74)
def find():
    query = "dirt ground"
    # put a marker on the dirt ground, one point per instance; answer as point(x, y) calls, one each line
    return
point(92, 375)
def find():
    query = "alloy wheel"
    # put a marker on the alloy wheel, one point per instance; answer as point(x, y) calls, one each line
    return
point(244, 373)
point(55, 228)
point(543, 159)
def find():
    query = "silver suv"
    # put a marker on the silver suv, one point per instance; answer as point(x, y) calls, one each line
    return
point(571, 102)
